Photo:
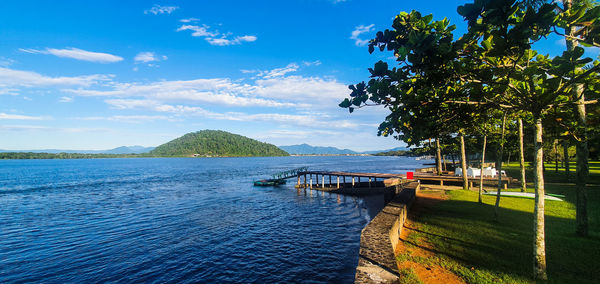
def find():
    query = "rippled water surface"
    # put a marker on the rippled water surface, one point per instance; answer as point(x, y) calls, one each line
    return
point(179, 220)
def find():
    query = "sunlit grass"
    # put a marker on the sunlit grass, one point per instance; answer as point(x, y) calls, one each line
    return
point(470, 243)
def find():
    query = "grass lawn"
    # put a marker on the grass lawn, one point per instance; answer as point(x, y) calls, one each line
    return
point(468, 242)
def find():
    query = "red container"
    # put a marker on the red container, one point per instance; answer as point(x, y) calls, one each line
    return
point(409, 175)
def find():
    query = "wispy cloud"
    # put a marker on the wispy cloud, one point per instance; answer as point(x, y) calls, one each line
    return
point(189, 20)
point(215, 91)
point(65, 99)
point(76, 53)
point(129, 118)
point(52, 129)
point(307, 120)
point(223, 40)
point(158, 9)
point(312, 63)
point(359, 30)
point(148, 58)
point(18, 78)
point(7, 116)
point(214, 37)
point(5, 62)
point(198, 31)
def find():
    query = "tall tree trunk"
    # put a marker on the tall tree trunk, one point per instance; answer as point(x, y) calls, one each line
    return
point(556, 155)
point(539, 241)
point(566, 159)
point(444, 162)
point(581, 146)
point(522, 156)
point(463, 162)
point(481, 173)
point(499, 168)
point(438, 156)
point(582, 153)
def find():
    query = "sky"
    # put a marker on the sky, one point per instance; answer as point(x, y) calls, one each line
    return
point(103, 74)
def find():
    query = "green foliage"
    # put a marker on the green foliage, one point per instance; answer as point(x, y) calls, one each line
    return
point(215, 143)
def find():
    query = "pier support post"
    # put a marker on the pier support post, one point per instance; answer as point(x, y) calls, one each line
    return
point(353, 182)
point(330, 181)
point(323, 181)
point(310, 181)
point(298, 180)
point(359, 181)
point(344, 177)
point(305, 183)
point(338, 182)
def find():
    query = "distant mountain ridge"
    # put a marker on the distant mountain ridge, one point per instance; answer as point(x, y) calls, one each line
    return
point(216, 143)
point(305, 149)
point(119, 150)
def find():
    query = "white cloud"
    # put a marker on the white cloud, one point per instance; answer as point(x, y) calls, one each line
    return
point(278, 72)
point(222, 41)
point(359, 30)
point(271, 88)
point(198, 31)
point(7, 116)
point(76, 53)
point(312, 63)
point(189, 20)
point(51, 129)
point(129, 118)
point(11, 77)
point(158, 9)
point(147, 58)
point(215, 37)
point(65, 99)
point(5, 62)
point(311, 90)
point(307, 120)
point(216, 91)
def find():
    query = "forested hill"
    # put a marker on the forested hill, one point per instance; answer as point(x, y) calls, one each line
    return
point(216, 143)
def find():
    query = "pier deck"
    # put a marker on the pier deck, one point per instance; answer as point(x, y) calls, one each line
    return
point(336, 179)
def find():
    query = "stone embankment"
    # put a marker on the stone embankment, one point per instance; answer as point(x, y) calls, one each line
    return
point(378, 240)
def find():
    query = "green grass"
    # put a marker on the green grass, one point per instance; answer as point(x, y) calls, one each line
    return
point(468, 241)
point(408, 276)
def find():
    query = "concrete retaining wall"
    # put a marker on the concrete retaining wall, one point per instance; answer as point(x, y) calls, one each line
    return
point(378, 240)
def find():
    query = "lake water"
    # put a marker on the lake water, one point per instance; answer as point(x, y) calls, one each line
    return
point(180, 220)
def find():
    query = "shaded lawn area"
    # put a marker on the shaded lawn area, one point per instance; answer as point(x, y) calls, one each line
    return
point(468, 241)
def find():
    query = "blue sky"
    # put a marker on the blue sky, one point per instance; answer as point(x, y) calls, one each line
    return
point(102, 74)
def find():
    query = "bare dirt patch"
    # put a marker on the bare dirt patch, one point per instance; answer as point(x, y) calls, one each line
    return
point(420, 259)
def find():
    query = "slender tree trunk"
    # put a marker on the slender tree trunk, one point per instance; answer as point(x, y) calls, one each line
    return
point(566, 159)
point(556, 155)
point(582, 155)
point(438, 156)
point(581, 214)
point(463, 162)
point(481, 173)
point(499, 168)
point(444, 162)
point(539, 241)
point(522, 156)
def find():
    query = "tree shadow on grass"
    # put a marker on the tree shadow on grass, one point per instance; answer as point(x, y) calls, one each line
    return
point(466, 231)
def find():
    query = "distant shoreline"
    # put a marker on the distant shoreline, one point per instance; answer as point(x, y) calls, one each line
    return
point(76, 156)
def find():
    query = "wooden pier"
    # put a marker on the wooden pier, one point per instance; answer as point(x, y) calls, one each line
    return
point(328, 180)
point(337, 180)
